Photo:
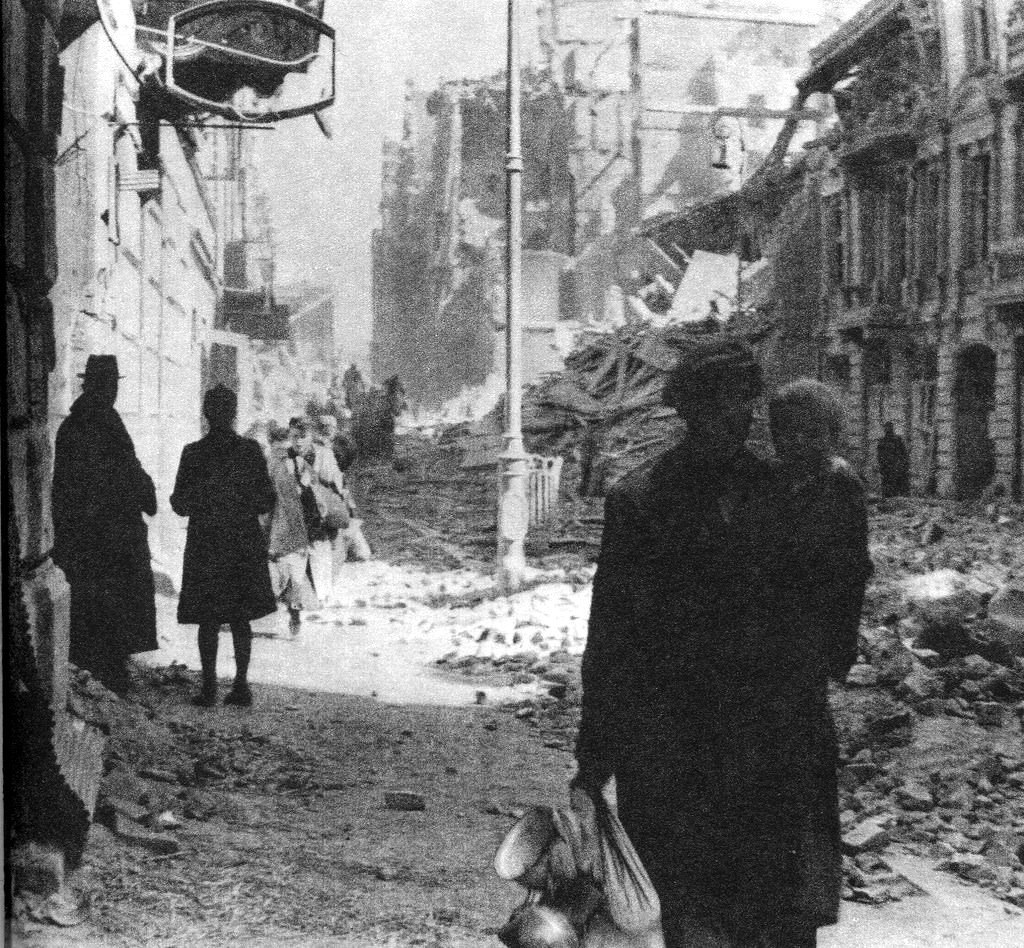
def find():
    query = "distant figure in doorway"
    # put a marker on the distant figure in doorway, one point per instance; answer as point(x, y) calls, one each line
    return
point(100, 493)
point(288, 538)
point(373, 420)
point(893, 464)
point(354, 386)
point(222, 487)
point(340, 445)
point(316, 472)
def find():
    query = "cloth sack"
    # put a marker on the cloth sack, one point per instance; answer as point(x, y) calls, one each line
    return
point(333, 507)
point(543, 852)
point(632, 904)
point(357, 547)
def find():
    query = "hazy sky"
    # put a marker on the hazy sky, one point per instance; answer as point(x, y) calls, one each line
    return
point(325, 193)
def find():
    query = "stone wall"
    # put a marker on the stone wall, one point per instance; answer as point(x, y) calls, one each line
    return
point(138, 277)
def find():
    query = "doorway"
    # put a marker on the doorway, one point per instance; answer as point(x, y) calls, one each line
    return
point(974, 399)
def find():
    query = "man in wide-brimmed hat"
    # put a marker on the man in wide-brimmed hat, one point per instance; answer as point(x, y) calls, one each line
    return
point(100, 492)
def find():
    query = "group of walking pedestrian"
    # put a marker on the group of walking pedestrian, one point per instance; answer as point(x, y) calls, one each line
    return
point(270, 517)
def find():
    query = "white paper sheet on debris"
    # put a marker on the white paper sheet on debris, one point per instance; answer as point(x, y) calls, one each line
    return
point(710, 277)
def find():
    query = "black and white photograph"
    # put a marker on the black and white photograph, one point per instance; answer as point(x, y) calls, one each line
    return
point(525, 473)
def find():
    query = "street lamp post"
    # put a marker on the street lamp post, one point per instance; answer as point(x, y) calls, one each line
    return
point(512, 508)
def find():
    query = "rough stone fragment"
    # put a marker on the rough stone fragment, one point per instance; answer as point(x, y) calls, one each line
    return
point(915, 796)
point(971, 866)
point(989, 713)
point(975, 667)
point(407, 800)
point(919, 684)
point(869, 836)
point(38, 868)
point(886, 653)
point(862, 676)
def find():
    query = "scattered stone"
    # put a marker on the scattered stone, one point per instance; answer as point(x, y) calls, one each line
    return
point(989, 713)
point(154, 773)
point(867, 836)
point(975, 667)
point(407, 800)
point(920, 684)
point(131, 833)
point(927, 657)
point(38, 868)
point(971, 866)
point(862, 676)
point(915, 796)
point(208, 770)
point(886, 653)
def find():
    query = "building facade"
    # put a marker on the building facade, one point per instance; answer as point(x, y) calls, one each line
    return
point(922, 236)
point(140, 276)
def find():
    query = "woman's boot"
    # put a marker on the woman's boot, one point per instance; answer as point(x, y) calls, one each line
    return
point(207, 696)
point(241, 636)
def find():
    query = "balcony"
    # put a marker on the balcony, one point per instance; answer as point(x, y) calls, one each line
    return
point(1015, 49)
point(1006, 286)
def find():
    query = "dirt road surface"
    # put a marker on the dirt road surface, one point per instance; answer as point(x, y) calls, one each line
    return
point(269, 826)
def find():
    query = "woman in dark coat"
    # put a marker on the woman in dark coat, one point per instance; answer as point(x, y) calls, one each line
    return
point(676, 680)
point(223, 487)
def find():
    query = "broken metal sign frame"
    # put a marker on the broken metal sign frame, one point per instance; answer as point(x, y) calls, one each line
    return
point(275, 7)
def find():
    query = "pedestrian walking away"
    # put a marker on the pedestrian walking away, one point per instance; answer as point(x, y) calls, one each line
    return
point(100, 492)
point(288, 538)
point(317, 472)
point(223, 486)
point(680, 706)
point(893, 464)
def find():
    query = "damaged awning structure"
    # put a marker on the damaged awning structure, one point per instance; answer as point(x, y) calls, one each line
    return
point(245, 60)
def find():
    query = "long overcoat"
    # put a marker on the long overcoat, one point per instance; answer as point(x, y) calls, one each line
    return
point(100, 493)
point(724, 759)
point(223, 487)
point(287, 531)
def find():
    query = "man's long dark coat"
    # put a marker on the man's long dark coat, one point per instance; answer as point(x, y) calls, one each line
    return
point(720, 740)
point(222, 487)
point(100, 493)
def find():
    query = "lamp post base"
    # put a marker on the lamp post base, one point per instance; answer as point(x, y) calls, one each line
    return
point(513, 517)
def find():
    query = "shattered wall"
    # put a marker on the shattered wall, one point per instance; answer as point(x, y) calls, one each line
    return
point(924, 288)
point(438, 254)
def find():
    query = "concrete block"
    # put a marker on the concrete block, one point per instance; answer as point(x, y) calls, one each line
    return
point(14, 199)
point(38, 869)
point(15, 39)
point(869, 836)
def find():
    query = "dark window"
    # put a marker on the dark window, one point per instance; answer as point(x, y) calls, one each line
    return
point(976, 168)
point(1019, 203)
point(877, 363)
point(979, 40)
point(929, 215)
point(834, 241)
point(870, 203)
point(896, 237)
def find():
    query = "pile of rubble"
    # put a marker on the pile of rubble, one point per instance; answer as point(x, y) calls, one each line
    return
point(610, 390)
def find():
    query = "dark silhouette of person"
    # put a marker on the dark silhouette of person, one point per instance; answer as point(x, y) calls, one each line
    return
point(354, 386)
point(100, 492)
point(223, 487)
point(684, 704)
point(893, 463)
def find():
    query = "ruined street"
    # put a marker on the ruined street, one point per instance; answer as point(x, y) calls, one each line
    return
point(396, 739)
